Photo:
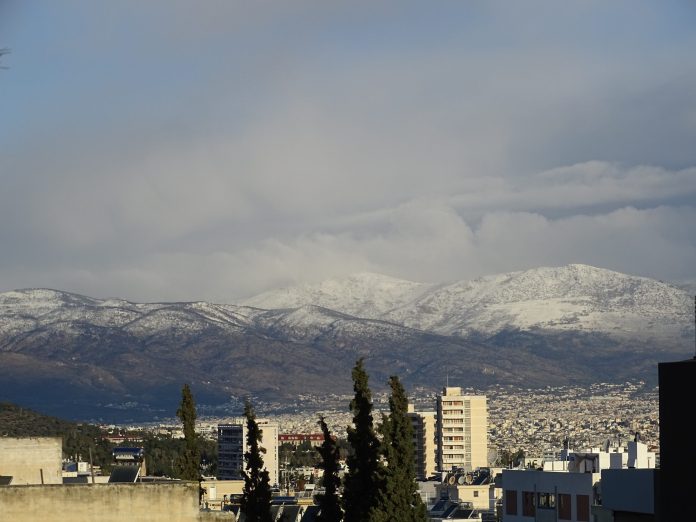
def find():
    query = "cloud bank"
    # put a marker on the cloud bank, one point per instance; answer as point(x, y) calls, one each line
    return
point(213, 152)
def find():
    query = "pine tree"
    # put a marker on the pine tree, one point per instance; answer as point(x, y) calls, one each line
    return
point(398, 499)
point(188, 462)
point(363, 478)
point(329, 503)
point(256, 495)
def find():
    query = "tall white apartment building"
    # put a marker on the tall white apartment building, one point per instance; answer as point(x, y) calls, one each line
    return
point(232, 445)
point(424, 438)
point(462, 430)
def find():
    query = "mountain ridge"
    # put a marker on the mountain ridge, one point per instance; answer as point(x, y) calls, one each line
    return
point(547, 326)
point(572, 302)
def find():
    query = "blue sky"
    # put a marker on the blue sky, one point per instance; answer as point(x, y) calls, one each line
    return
point(180, 150)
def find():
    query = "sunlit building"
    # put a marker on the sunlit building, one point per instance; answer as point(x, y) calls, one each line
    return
point(462, 430)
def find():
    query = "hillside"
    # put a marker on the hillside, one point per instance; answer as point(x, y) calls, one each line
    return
point(17, 421)
point(112, 359)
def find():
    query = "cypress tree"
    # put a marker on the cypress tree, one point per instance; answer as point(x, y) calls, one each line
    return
point(363, 478)
point(188, 462)
point(329, 503)
point(398, 499)
point(256, 495)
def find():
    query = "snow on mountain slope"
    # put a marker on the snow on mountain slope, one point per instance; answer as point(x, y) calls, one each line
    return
point(573, 297)
point(564, 299)
point(22, 311)
point(364, 295)
point(312, 322)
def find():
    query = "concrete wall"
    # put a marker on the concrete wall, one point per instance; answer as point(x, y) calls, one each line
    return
point(479, 496)
point(158, 502)
point(217, 516)
point(631, 490)
point(216, 489)
point(28, 459)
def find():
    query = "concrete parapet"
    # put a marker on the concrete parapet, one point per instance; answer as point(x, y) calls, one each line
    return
point(156, 502)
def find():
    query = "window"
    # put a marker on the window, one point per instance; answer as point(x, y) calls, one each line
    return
point(546, 500)
point(528, 504)
point(564, 512)
point(510, 502)
point(583, 507)
point(476, 493)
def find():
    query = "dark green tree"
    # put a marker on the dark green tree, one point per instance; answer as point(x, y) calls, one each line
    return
point(398, 498)
point(363, 478)
point(329, 503)
point(256, 495)
point(188, 461)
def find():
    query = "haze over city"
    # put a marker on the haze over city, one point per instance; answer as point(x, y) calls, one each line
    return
point(181, 151)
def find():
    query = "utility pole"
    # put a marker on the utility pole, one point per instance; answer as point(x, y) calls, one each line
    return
point(287, 480)
point(91, 464)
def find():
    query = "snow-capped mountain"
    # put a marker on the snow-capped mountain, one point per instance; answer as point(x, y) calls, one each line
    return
point(364, 294)
point(574, 297)
point(545, 326)
point(569, 298)
point(30, 309)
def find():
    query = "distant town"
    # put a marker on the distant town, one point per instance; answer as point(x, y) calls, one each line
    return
point(531, 420)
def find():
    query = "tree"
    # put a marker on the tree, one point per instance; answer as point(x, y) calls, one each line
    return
point(256, 495)
point(329, 503)
point(398, 498)
point(363, 478)
point(189, 460)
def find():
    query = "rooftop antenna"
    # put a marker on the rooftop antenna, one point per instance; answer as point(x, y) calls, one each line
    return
point(447, 380)
point(695, 327)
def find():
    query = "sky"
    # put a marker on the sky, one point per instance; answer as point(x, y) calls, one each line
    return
point(212, 150)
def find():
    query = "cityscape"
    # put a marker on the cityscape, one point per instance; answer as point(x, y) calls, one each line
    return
point(309, 261)
point(457, 432)
point(531, 420)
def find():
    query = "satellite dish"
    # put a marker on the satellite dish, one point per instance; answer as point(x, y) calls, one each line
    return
point(451, 479)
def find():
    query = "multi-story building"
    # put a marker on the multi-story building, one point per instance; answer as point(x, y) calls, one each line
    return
point(462, 430)
point(424, 442)
point(570, 488)
point(232, 445)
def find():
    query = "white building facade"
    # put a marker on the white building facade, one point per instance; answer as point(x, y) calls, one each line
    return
point(547, 495)
point(569, 488)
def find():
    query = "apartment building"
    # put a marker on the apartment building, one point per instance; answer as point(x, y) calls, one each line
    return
point(424, 442)
point(232, 445)
point(462, 430)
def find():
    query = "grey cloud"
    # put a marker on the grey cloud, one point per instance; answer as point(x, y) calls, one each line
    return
point(225, 149)
point(423, 241)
